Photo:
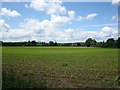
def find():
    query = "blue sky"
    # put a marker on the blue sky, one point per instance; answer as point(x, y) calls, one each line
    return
point(98, 20)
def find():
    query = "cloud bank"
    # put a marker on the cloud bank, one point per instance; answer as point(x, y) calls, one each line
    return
point(33, 29)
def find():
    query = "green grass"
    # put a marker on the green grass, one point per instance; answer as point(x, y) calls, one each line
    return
point(63, 67)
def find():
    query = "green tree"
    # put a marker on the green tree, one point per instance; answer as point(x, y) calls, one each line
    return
point(118, 42)
point(93, 43)
point(34, 43)
point(51, 43)
point(110, 42)
point(56, 44)
point(88, 42)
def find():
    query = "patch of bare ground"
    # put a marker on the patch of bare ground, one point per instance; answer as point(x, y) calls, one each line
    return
point(55, 80)
point(51, 78)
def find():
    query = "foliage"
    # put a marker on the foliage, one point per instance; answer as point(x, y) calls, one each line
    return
point(110, 43)
point(90, 42)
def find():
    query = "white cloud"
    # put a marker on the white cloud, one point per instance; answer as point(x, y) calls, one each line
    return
point(55, 22)
point(115, 2)
point(15, 34)
point(69, 30)
point(80, 18)
point(71, 14)
point(32, 25)
point(7, 12)
point(88, 17)
point(3, 26)
point(103, 34)
point(6, 33)
point(91, 16)
point(116, 18)
point(108, 32)
point(58, 21)
point(50, 7)
point(26, 5)
point(46, 29)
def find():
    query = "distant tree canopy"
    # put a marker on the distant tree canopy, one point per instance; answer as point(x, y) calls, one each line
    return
point(118, 42)
point(110, 43)
point(101, 44)
point(90, 42)
point(51, 43)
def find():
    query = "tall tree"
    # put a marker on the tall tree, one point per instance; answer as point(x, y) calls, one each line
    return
point(34, 43)
point(51, 43)
point(110, 42)
point(93, 43)
point(118, 42)
point(88, 42)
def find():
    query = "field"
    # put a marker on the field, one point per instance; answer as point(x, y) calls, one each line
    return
point(59, 67)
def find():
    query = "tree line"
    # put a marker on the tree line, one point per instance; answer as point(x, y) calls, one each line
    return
point(110, 43)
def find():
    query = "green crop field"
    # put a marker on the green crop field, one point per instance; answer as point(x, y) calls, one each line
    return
point(59, 67)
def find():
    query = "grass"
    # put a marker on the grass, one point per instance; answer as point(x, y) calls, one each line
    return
point(61, 67)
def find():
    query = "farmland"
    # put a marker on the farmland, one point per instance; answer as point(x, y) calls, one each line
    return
point(59, 67)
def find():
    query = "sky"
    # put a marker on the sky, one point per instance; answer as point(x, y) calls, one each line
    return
point(58, 21)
